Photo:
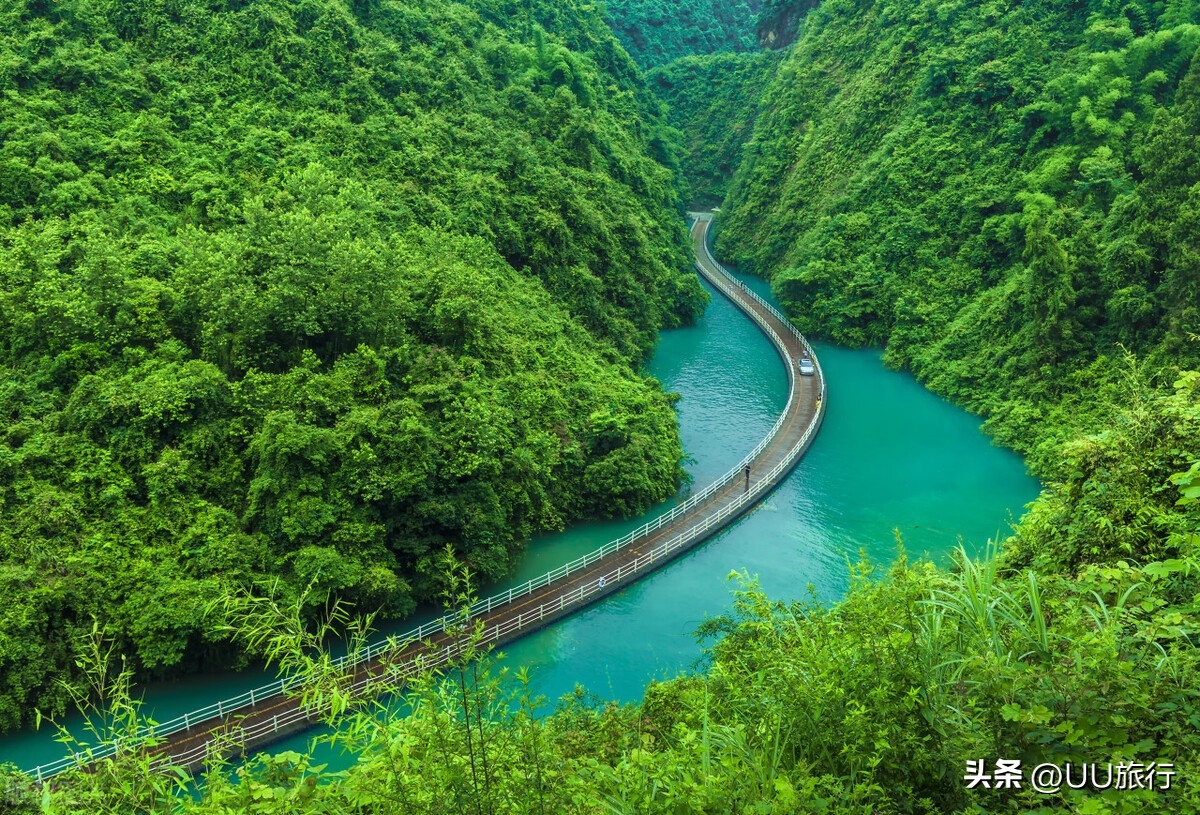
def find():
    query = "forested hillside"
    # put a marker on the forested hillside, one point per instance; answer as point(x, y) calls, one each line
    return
point(713, 101)
point(874, 704)
point(779, 21)
point(302, 291)
point(658, 31)
point(1003, 194)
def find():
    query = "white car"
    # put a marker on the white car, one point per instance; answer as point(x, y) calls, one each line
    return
point(805, 366)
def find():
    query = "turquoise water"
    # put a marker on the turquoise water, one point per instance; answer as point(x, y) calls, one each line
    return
point(890, 456)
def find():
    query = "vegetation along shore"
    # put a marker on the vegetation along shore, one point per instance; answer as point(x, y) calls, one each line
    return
point(315, 310)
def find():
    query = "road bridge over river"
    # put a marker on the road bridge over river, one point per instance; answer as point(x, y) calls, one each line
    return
point(265, 714)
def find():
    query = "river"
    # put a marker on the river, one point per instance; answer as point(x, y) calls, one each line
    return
point(890, 456)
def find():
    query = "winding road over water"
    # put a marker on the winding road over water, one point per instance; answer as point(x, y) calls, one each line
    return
point(265, 714)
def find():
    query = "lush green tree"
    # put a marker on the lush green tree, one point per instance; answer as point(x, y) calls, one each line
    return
point(713, 101)
point(997, 194)
point(877, 701)
point(655, 32)
point(304, 290)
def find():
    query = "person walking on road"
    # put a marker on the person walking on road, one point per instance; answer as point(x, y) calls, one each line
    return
point(747, 478)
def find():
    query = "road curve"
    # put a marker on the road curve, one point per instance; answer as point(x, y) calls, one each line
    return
point(254, 719)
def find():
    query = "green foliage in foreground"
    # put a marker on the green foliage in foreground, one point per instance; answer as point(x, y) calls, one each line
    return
point(713, 100)
point(873, 704)
point(658, 31)
point(1001, 193)
point(295, 290)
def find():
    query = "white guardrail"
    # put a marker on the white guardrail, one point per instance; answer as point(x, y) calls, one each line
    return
point(245, 702)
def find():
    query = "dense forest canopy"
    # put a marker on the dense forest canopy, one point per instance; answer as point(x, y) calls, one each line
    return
point(873, 704)
point(658, 31)
point(1002, 194)
point(713, 101)
point(705, 64)
point(302, 290)
point(779, 21)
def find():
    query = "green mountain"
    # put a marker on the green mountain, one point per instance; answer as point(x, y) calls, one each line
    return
point(713, 101)
point(1005, 195)
point(658, 31)
point(1000, 195)
point(304, 292)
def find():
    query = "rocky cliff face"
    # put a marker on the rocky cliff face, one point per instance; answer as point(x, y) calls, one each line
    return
point(780, 20)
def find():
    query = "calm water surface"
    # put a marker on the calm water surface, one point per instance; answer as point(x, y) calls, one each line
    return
point(890, 456)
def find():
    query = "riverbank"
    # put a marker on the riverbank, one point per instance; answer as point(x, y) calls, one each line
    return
point(891, 456)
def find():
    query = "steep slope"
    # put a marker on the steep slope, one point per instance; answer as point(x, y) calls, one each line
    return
point(1001, 194)
point(1005, 195)
point(658, 31)
point(296, 293)
point(713, 101)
